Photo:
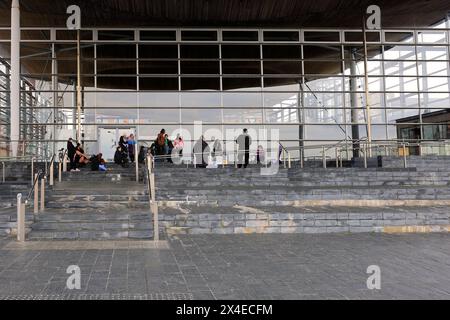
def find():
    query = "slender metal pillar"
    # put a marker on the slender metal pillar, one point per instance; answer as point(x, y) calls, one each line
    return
point(55, 95)
point(301, 119)
point(15, 77)
point(366, 91)
point(354, 104)
point(78, 88)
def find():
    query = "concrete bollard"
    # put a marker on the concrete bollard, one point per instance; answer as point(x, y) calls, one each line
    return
point(20, 219)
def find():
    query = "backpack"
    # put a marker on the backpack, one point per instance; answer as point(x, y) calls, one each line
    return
point(161, 140)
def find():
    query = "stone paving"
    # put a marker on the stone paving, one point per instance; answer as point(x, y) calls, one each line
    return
point(290, 266)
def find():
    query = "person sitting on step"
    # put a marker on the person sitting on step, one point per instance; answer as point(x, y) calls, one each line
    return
point(98, 163)
point(81, 159)
point(121, 157)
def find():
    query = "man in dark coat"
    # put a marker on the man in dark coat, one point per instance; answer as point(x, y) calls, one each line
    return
point(244, 141)
point(201, 152)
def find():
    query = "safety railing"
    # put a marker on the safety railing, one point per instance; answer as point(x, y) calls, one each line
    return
point(223, 159)
point(62, 163)
point(21, 148)
point(39, 178)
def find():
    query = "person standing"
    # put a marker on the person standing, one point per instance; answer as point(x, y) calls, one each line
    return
point(260, 155)
point(178, 144)
point(160, 142)
point(131, 145)
point(244, 142)
point(216, 149)
point(71, 153)
point(201, 152)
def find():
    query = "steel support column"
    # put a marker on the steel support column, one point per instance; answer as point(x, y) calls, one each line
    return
point(15, 77)
point(354, 104)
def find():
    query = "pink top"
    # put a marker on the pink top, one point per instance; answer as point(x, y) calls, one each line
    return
point(178, 143)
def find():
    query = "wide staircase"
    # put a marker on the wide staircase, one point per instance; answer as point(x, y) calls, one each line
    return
point(112, 205)
point(17, 179)
point(93, 205)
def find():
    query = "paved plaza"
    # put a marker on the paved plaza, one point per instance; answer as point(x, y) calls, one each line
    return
point(328, 266)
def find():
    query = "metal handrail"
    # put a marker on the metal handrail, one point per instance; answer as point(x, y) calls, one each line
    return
point(36, 179)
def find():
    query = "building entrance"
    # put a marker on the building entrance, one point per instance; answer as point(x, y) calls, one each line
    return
point(108, 139)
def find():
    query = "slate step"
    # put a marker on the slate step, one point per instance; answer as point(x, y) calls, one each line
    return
point(68, 215)
point(90, 235)
point(97, 204)
point(89, 225)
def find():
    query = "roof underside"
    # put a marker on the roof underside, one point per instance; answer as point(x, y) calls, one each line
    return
point(223, 13)
point(227, 13)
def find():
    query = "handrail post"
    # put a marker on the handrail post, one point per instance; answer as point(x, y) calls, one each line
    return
point(302, 159)
point(20, 219)
point(340, 158)
point(36, 194)
point(404, 156)
point(284, 158)
point(136, 161)
point(152, 198)
point(32, 170)
point(3, 172)
point(289, 160)
point(59, 171)
point(64, 160)
point(337, 158)
point(42, 194)
point(365, 156)
point(324, 159)
point(51, 173)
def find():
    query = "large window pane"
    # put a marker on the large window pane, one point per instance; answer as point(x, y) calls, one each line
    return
point(203, 115)
point(200, 99)
point(116, 99)
point(199, 51)
point(242, 100)
point(242, 116)
point(241, 52)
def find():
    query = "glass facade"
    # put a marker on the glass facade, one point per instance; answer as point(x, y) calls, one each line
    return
point(309, 84)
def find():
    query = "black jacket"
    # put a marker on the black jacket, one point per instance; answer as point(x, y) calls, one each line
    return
point(70, 149)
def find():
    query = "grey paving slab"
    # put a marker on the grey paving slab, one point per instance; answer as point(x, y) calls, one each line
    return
point(258, 266)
